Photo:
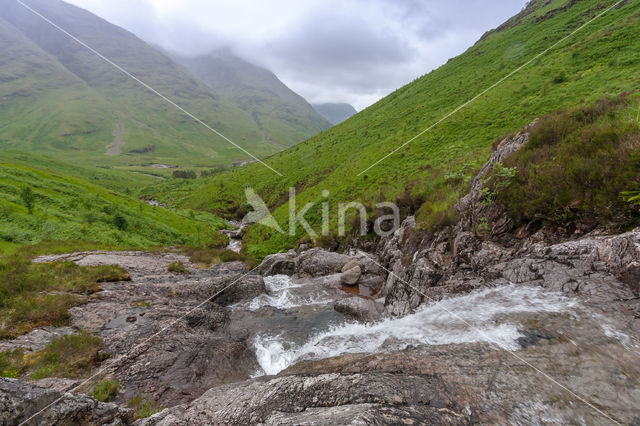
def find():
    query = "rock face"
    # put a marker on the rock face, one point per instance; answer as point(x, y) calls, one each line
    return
point(20, 400)
point(457, 260)
point(326, 398)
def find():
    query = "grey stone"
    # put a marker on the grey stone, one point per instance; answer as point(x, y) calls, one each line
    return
point(351, 276)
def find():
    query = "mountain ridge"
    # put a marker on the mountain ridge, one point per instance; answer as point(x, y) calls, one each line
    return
point(336, 113)
point(81, 101)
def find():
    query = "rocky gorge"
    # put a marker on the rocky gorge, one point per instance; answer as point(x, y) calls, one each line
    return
point(503, 325)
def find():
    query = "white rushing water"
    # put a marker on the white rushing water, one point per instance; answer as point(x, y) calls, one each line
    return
point(283, 293)
point(480, 316)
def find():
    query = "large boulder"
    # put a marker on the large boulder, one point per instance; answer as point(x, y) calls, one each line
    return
point(279, 264)
point(19, 400)
point(360, 308)
point(318, 262)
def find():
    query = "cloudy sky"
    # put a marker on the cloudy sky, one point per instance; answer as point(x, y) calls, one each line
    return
point(354, 51)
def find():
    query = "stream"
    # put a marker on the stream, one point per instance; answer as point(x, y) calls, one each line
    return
point(295, 321)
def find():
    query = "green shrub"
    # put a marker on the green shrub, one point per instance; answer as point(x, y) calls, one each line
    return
point(28, 198)
point(184, 174)
point(106, 390)
point(120, 222)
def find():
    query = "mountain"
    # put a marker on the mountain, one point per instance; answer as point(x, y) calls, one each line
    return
point(428, 175)
point(58, 98)
point(336, 113)
point(283, 117)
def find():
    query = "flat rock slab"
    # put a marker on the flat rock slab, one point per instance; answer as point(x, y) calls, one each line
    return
point(36, 339)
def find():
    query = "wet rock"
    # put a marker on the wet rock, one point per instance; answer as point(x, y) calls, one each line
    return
point(351, 276)
point(279, 263)
point(360, 308)
point(19, 400)
point(211, 317)
point(329, 281)
point(318, 262)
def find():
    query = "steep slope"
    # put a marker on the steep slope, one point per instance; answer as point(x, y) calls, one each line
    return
point(335, 113)
point(283, 116)
point(58, 97)
point(430, 173)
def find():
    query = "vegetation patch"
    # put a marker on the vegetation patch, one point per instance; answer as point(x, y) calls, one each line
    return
point(177, 268)
point(577, 167)
point(144, 405)
point(214, 256)
point(71, 356)
point(106, 390)
point(39, 294)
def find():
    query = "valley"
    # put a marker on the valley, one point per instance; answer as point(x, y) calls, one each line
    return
point(466, 250)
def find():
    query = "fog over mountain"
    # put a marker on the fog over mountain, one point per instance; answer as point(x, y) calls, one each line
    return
point(349, 51)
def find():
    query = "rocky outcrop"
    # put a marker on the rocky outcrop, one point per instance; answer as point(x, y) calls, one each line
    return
point(20, 400)
point(428, 266)
point(317, 400)
point(194, 349)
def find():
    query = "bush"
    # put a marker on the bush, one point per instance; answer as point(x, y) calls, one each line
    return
point(184, 174)
point(106, 390)
point(28, 198)
point(120, 222)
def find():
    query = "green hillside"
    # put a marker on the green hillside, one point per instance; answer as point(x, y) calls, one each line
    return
point(40, 205)
point(283, 117)
point(60, 99)
point(430, 174)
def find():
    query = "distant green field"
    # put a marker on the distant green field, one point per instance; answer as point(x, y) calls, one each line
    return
point(602, 59)
point(65, 208)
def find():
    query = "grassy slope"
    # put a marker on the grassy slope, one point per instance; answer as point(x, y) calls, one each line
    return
point(68, 208)
point(58, 98)
point(602, 59)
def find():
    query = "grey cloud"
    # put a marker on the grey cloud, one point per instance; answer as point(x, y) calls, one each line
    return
point(352, 51)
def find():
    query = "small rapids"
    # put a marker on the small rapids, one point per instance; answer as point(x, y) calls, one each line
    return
point(283, 293)
point(489, 315)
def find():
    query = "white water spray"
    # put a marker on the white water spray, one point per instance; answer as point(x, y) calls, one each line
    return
point(481, 316)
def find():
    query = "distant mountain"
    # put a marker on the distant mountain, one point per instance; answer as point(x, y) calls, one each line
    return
point(283, 116)
point(335, 113)
point(58, 98)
